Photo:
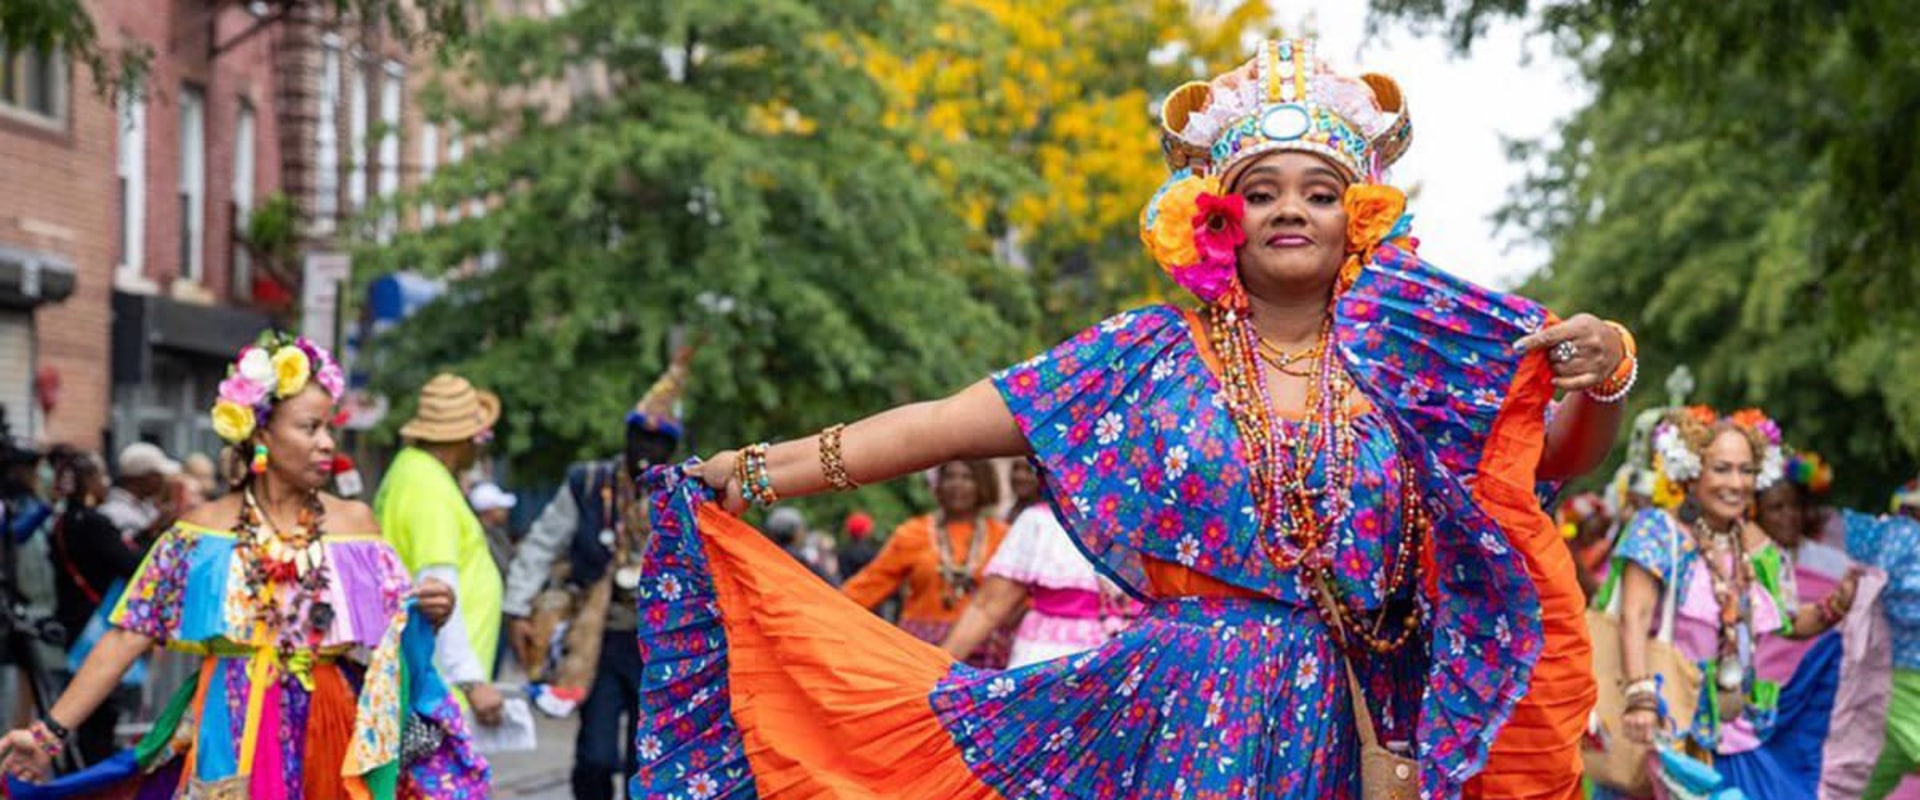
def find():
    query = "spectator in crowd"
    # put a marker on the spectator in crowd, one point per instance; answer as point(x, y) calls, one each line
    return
point(788, 528)
point(860, 548)
point(143, 502)
point(91, 561)
point(494, 506)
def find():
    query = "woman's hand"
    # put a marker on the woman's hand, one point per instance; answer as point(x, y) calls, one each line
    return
point(21, 757)
point(718, 472)
point(434, 600)
point(1583, 350)
point(1639, 724)
point(1842, 597)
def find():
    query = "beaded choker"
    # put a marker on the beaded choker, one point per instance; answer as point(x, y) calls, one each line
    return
point(1297, 514)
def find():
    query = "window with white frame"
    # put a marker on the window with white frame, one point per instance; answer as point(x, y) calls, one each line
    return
point(131, 168)
point(193, 182)
point(243, 171)
point(356, 134)
point(393, 83)
point(326, 164)
point(33, 83)
point(429, 162)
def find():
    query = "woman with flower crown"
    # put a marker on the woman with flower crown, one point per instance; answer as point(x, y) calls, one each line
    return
point(279, 589)
point(1318, 482)
point(1760, 717)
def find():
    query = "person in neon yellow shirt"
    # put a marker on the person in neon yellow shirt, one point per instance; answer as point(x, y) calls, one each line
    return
point(425, 516)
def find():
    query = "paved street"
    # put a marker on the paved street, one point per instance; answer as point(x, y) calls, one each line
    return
point(542, 773)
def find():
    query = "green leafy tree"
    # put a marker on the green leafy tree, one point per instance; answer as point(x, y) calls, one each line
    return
point(1741, 190)
point(734, 182)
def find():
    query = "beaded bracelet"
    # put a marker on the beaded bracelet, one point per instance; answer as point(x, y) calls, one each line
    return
point(755, 480)
point(832, 462)
point(50, 741)
point(1618, 385)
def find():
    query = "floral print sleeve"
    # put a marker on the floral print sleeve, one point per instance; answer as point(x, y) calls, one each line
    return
point(1650, 541)
point(152, 602)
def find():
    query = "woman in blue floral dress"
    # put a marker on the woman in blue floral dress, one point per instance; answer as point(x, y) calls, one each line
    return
point(1329, 465)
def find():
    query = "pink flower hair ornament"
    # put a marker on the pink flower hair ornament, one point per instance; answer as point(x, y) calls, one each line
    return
point(1193, 231)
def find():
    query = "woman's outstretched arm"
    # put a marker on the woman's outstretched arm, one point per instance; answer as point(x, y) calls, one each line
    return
point(974, 423)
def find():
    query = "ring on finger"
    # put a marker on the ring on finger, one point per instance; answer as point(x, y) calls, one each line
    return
point(1565, 352)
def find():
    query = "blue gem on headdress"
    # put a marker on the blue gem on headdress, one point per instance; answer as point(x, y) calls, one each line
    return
point(1286, 122)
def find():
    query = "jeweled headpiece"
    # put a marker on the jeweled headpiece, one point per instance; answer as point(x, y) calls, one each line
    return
point(1286, 99)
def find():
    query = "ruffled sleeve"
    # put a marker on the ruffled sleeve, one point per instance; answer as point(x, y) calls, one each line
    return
point(1037, 552)
point(1651, 540)
point(156, 601)
point(1436, 352)
point(191, 590)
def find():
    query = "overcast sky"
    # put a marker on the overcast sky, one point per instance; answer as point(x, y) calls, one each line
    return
point(1511, 85)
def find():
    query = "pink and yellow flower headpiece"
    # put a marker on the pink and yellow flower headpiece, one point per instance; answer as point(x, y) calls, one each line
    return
point(1285, 99)
point(275, 367)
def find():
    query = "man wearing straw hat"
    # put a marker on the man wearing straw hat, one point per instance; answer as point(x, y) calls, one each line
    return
point(424, 514)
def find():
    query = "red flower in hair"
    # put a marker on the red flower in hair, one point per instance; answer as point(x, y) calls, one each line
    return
point(1217, 236)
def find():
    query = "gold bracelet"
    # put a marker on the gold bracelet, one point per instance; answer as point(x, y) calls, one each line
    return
point(832, 463)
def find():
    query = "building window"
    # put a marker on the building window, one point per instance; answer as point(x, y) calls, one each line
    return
point(326, 165)
point(33, 83)
point(242, 284)
point(390, 91)
point(131, 168)
point(356, 135)
point(193, 182)
point(429, 161)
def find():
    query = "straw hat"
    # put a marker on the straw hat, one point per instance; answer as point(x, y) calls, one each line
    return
point(451, 410)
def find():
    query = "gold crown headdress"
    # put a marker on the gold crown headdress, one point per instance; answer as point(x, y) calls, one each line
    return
point(1286, 99)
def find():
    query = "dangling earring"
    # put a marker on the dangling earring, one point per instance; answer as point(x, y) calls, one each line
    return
point(259, 465)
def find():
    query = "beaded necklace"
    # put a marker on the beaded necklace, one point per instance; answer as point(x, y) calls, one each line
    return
point(271, 559)
point(1300, 516)
point(1731, 589)
point(956, 580)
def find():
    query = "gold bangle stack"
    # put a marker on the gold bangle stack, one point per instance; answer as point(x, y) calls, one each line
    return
point(832, 463)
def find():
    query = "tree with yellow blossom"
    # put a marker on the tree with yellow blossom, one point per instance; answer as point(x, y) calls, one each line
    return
point(1070, 89)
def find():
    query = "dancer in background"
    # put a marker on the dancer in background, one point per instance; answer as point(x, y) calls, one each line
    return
point(278, 588)
point(940, 558)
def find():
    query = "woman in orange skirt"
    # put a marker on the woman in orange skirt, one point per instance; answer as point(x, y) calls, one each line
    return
point(1320, 482)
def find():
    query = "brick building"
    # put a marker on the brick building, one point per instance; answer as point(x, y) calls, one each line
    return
point(56, 178)
point(124, 284)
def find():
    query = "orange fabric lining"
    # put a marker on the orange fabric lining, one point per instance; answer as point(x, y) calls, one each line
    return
point(830, 700)
point(207, 667)
point(1537, 753)
point(330, 716)
point(1169, 579)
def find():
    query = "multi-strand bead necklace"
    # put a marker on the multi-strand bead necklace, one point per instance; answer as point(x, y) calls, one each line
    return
point(1301, 516)
point(272, 558)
